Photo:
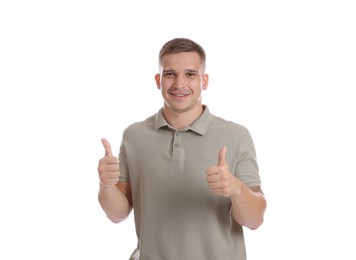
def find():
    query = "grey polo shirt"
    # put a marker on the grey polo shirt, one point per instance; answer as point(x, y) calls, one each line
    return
point(177, 216)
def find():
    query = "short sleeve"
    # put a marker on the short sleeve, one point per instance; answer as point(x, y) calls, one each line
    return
point(124, 171)
point(246, 166)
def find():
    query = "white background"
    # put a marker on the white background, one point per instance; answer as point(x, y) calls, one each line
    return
point(72, 72)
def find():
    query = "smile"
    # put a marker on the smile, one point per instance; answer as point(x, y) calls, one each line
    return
point(180, 94)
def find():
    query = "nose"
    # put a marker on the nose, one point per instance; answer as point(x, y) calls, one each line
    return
point(180, 81)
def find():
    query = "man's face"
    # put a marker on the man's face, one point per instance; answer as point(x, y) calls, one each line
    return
point(181, 81)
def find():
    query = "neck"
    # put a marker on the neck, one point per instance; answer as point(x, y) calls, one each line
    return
point(181, 119)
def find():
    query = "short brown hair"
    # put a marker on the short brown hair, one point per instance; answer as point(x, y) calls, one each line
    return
point(178, 45)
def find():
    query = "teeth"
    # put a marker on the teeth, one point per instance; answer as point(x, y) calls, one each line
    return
point(180, 95)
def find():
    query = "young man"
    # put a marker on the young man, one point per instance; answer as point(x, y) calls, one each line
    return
point(191, 177)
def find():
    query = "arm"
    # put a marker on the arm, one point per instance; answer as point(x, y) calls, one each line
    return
point(248, 205)
point(114, 197)
point(116, 201)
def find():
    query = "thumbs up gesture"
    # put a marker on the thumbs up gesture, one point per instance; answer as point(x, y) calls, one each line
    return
point(108, 168)
point(219, 178)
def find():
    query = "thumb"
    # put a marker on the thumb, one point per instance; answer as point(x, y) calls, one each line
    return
point(107, 147)
point(221, 156)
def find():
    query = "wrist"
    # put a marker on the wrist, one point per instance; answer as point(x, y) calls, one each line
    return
point(236, 190)
point(107, 186)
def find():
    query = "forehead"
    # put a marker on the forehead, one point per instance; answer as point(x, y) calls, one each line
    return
point(182, 60)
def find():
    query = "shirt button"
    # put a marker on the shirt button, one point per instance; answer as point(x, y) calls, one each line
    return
point(176, 144)
point(177, 133)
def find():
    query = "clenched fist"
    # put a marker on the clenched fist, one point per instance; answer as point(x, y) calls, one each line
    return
point(109, 170)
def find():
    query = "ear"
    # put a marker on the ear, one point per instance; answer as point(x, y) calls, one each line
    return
point(205, 81)
point(158, 80)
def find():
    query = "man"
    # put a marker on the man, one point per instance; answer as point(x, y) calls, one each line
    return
point(191, 177)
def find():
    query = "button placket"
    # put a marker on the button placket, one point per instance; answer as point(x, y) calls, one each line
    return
point(177, 141)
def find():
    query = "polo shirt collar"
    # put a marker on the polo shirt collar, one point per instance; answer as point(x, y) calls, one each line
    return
point(200, 126)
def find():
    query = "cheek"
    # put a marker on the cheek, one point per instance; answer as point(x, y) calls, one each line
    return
point(165, 84)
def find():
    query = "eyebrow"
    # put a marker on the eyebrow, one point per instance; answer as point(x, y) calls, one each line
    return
point(186, 71)
point(192, 71)
point(167, 71)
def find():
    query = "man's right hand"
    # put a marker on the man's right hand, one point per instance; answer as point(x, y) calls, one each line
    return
point(109, 170)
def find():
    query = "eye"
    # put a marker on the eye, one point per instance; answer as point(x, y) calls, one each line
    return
point(191, 74)
point(169, 74)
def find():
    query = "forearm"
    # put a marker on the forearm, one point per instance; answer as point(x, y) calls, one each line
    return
point(248, 207)
point(114, 203)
